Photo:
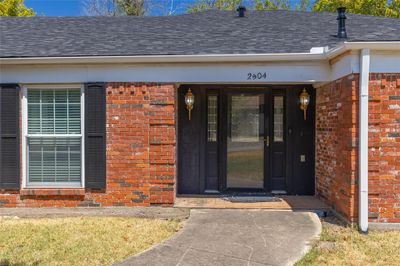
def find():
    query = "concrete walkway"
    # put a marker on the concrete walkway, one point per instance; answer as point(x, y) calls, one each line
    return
point(235, 237)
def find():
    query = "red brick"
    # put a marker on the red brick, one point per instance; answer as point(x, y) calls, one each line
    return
point(337, 162)
point(140, 153)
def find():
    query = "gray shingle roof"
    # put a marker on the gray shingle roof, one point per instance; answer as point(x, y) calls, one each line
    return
point(212, 32)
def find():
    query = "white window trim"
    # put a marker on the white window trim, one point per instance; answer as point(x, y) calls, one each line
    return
point(25, 135)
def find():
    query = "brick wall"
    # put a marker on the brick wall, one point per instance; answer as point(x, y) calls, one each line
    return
point(384, 148)
point(141, 150)
point(336, 146)
point(140, 153)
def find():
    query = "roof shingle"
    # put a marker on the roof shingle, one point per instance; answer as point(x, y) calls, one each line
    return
point(211, 32)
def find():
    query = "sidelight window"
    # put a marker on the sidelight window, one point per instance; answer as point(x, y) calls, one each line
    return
point(212, 118)
point(278, 118)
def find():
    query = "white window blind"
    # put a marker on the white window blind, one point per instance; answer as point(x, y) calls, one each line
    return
point(54, 140)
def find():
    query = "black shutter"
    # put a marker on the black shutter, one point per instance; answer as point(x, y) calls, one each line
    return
point(95, 136)
point(9, 137)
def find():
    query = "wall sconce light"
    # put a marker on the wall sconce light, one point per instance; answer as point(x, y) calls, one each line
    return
point(189, 100)
point(304, 102)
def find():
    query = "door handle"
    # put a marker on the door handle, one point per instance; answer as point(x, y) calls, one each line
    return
point(267, 141)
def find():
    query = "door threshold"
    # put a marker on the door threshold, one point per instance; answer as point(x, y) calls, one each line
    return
point(251, 198)
point(232, 193)
point(211, 191)
point(279, 192)
point(215, 195)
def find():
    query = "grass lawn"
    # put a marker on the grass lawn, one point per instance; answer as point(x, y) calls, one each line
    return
point(340, 245)
point(78, 240)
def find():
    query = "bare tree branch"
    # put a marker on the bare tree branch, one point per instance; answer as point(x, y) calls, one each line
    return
point(164, 7)
point(114, 7)
point(99, 7)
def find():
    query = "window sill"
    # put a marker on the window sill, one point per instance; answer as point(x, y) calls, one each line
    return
point(52, 192)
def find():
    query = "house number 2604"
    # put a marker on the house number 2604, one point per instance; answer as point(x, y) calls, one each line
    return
point(256, 76)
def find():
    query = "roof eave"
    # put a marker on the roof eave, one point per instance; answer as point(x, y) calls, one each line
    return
point(358, 45)
point(221, 58)
point(207, 58)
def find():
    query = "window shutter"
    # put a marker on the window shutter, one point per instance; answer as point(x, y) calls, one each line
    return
point(9, 137)
point(95, 136)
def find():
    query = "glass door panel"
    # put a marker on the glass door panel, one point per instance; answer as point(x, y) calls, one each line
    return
point(245, 143)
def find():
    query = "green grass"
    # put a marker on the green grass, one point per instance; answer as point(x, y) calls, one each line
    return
point(341, 245)
point(78, 240)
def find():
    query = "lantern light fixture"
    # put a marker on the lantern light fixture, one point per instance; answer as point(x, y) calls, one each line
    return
point(189, 100)
point(304, 102)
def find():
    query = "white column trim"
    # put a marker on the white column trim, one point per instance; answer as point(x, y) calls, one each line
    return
point(24, 131)
point(363, 140)
point(83, 136)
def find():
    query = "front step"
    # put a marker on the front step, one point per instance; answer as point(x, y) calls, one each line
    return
point(308, 203)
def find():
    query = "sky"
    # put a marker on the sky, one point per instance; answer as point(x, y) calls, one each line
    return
point(76, 7)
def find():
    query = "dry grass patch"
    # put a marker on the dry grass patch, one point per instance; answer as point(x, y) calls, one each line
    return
point(78, 240)
point(341, 245)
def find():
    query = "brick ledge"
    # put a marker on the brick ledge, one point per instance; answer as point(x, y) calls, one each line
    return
point(53, 192)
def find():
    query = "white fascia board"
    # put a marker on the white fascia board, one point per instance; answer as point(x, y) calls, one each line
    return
point(389, 45)
point(348, 46)
point(222, 58)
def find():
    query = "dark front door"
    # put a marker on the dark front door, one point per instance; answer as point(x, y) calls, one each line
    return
point(245, 139)
point(255, 140)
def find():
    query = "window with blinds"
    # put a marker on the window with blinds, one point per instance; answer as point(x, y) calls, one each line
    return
point(54, 137)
